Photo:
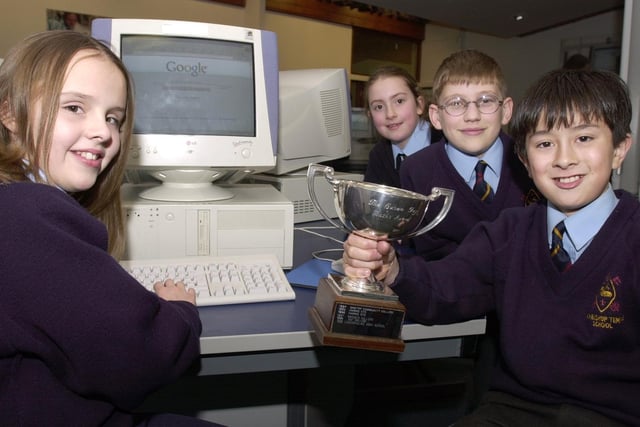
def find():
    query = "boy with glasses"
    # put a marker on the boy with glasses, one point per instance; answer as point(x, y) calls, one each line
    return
point(477, 160)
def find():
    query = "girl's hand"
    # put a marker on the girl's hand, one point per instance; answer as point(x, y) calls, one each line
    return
point(174, 291)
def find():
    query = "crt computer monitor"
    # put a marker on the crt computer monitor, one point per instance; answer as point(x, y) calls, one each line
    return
point(206, 102)
point(315, 118)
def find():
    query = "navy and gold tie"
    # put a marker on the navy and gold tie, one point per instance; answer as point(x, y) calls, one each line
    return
point(559, 255)
point(399, 159)
point(482, 187)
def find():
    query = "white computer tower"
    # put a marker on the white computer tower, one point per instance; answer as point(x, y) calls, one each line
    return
point(295, 187)
point(258, 219)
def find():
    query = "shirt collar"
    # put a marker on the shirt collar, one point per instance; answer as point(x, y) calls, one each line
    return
point(583, 225)
point(29, 175)
point(41, 173)
point(419, 139)
point(465, 164)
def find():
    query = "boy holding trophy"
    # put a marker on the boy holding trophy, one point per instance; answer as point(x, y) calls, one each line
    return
point(571, 131)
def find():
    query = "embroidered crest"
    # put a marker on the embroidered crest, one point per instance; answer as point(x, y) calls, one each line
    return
point(608, 312)
point(606, 296)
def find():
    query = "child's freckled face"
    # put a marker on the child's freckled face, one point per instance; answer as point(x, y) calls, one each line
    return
point(571, 166)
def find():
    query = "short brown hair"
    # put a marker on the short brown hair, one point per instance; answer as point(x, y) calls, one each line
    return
point(467, 67)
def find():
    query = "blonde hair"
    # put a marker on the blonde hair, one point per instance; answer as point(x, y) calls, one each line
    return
point(33, 71)
point(468, 67)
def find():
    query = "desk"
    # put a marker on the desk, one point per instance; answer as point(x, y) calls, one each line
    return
point(277, 336)
point(269, 349)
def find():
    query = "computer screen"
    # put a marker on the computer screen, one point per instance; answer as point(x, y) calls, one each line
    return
point(206, 103)
point(315, 118)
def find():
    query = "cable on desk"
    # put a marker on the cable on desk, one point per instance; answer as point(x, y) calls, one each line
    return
point(324, 236)
point(318, 254)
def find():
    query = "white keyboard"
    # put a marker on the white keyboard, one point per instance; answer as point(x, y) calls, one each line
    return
point(219, 280)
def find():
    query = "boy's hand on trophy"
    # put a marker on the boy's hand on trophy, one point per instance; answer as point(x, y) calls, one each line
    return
point(363, 256)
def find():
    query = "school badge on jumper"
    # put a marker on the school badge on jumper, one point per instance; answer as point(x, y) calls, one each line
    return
point(606, 296)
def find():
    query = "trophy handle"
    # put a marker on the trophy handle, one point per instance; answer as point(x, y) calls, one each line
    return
point(316, 169)
point(436, 192)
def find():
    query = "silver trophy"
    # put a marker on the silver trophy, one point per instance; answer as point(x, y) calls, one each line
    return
point(376, 212)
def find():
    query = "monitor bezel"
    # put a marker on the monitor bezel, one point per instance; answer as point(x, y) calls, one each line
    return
point(220, 152)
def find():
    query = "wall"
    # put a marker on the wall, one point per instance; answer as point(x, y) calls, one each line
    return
point(303, 43)
point(523, 59)
point(306, 43)
point(18, 22)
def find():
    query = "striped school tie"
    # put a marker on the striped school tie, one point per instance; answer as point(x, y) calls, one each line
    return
point(482, 187)
point(559, 256)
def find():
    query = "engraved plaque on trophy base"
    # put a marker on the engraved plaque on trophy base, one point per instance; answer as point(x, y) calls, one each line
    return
point(344, 318)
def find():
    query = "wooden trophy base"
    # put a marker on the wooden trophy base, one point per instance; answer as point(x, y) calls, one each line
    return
point(371, 321)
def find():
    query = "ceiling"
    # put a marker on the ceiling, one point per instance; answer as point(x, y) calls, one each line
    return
point(496, 17)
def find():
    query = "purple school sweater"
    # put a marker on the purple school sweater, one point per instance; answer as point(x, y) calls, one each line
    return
point(381, 168)
point(81, 341)
point(431, 167)
point(569, 337)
